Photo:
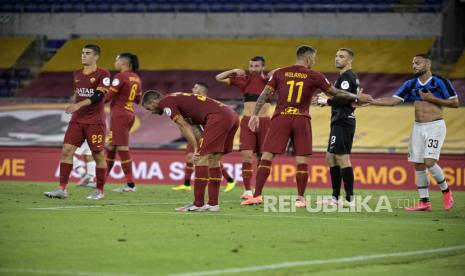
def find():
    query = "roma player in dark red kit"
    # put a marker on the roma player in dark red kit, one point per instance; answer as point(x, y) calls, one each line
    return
point(125, 90)
point(88, 121)
point(251, 85)
point(220, 124)
point(295, 86)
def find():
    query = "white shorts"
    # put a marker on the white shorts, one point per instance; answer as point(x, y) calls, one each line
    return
point(426, 141)
point(83, 149)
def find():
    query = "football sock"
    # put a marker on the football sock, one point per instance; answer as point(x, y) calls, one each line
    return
point(214, 181)
point(263, 171)
point(301, 178)
point(335, 173)
point(247, 175)
point(188, 170)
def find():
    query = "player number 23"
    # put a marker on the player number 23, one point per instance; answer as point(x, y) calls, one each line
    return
point(291, 84)
point(97, 139)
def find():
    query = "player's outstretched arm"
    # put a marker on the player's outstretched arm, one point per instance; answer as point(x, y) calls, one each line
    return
point(97, 97)
point(361, 97)
point(187, 132)
point(392, 101)
point(429, 97)
point(224, 76)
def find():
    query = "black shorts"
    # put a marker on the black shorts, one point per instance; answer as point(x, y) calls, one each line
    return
point(340, 139)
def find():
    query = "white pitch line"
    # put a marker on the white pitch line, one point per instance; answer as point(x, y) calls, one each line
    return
point(112, 205)
point(243, 269)
point(270, 216)
point(319, 262)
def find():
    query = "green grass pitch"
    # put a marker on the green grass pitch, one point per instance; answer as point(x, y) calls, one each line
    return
point(138, 234)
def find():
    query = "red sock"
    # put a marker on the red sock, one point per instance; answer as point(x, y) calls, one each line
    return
point(200, 183)
point(65, 170)
point(247, 172)
point(111, 155)
point(301, 178)
point(214, 181)
point(225, 174)
point(126, 164)
point(263, 171)
point(101, 175)
point(188, 170)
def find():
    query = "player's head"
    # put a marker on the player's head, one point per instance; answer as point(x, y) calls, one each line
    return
point(200, 88)
point(257, 64)
point(89, 55)
point(306, 55)
point(127, 61)
point(344, 57)
point(421, 64)
point(151, 100)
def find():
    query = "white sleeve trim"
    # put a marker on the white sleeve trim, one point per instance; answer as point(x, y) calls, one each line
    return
point(453, 97)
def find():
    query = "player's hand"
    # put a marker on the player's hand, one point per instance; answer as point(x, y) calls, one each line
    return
point(196, 156)
point(319, 100)
point(426, 96)
point(254, 123)
point(71, 108)
point(239, 72)
point(363, 98)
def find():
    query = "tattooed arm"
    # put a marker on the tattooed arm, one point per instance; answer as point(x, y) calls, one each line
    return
point(262, 99)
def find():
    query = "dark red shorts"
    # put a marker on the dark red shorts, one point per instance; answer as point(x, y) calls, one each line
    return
point(284, 127)
point(119, 130)
point(250, 140)
point(218, 134)
point(77, 133)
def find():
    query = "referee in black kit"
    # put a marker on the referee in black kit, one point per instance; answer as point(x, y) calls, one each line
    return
point(342, 128)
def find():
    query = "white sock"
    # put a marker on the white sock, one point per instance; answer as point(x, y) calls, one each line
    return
point(248, 192)
point(437, 173)
point(91, 168)
point(77, 167)
point(422, 184)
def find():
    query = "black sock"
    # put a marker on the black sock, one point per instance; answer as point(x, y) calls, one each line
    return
point(131, 185)
point(424, 199)
point(348, 176)
point(335, 173)
point(229, 179)
point(187, 182)
point(445, 191)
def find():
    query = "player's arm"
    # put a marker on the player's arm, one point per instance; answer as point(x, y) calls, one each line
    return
point(338, 93)
point(429, 97)
point(224, 76)
point(186, 131)
point(391, 101)
point(96, 98)
point(267, 91)
point(197, 131)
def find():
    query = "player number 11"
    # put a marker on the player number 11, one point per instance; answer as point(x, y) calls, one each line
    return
point(291, 84)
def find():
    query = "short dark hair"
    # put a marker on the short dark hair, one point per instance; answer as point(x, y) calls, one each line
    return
point(349, 51)
point(258, 58)
point(94, 47)
point(151, 95)
point(425, 56)
point(133, 60)
point(303, 50)
point(204, 85)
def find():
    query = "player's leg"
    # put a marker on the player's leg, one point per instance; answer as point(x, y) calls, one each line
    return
point(126, 165)
point(231, 182)
point(214, 181)
point(110, 156)
point(335, 174)
point(95, 136)
point(347, 175)
point(73, 139)
point(434, 141)
point(200, 184)
point(248, 144)
point(416, 155)
point(88, 180)
point(302, 140)
point(188, 171)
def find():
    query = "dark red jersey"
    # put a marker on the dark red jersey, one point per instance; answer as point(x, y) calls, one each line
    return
point(251, 84)
point(85, 85)
point(125, 90)
point(295, 86)
point(195, 108)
